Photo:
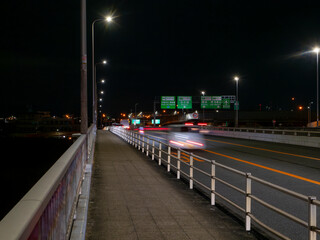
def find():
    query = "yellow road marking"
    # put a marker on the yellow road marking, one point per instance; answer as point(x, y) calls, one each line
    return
point(263, 149)
point(264, 167)
point(187, 157)
point(182, 157)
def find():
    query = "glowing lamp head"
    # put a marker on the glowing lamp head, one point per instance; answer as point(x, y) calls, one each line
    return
point(316, 50)
point(109, 19)
point(236, 78)
point(203, 92)
point(104, 61)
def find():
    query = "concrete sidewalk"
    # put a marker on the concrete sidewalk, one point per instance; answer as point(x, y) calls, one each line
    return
point(133, 198)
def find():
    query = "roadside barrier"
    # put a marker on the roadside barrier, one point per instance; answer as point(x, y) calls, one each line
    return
point(182, 163)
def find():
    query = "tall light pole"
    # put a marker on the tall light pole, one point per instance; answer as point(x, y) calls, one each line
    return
point(236, 78)
point(316, 50)
point(203, 93)
point(309, 112)
point(94, 115)
point(94, 92)
point(83, 85)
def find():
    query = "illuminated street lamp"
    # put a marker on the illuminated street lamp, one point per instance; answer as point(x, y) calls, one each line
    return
point(316, 50)
point(203, 93)
point(94, 87)
point(236, 78)
point(94, 92)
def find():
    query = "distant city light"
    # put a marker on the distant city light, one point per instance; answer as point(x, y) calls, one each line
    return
point(102, 80)
point(104, 61)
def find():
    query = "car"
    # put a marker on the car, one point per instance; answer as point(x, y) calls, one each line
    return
point(185, 136)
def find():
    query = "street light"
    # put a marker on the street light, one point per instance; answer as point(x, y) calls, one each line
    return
point(316, 50)
point(94, 87)
point(203, 93)
point(236, 78)
point(94, 92)
point(309, 112)
point(135, 110)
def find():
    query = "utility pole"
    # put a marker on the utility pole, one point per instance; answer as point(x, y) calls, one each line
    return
point(84, 104)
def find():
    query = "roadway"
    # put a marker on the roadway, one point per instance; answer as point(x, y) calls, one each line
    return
point(294, 167)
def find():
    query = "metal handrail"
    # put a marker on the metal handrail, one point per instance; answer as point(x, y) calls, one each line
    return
point(47, 210)
point(135, 139)
point(307, 133)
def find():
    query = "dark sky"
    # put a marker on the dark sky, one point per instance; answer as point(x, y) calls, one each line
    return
point(154, 48)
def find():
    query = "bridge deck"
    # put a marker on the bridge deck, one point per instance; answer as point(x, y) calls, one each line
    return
point(132, 198)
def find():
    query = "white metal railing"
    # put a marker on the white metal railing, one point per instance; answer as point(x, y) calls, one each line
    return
point(163, 153)
point(47, 210)
point(277, 131)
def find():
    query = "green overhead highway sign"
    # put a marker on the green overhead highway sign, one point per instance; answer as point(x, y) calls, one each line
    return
point(168, 102)
point(226, 104)
point(184, 102)
point(206, 102)
point(216, 102)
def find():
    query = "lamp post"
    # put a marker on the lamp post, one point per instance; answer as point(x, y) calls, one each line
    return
point(316, 50)
point(236, 78)
point(83, 83)
point(94, 115)
point(135, 110)
point(94, 92)
point(203, 93)
point(309, 112)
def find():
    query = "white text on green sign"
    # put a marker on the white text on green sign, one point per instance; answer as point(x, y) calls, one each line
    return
point(184, 102)
point(168, 102)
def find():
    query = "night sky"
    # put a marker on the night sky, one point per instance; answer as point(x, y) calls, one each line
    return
point(154, 48)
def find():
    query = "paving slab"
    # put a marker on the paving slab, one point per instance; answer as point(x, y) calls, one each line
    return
point(133, 198)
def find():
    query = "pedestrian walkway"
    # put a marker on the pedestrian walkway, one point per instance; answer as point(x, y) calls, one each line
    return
point(133, 198)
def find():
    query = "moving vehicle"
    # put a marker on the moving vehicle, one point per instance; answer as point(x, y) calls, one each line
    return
point(125, 123)
point(185, 136)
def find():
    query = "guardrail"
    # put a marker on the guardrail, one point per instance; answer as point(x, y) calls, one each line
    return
point(306, 133)
point(172, 157)
point(47, 210)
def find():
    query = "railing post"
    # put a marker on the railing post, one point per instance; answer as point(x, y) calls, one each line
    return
point(191, 171)
point(169, 156)
point(139, 142)
point(213, 182)
point(143, 144)
point(136, 141)
point(147, 146)
point(152, 149)
point(178, 164)
point(248, 201)
point(160, 153)
point(312, 223)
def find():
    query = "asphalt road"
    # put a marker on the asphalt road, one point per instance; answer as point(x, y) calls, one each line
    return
point(294, 167)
